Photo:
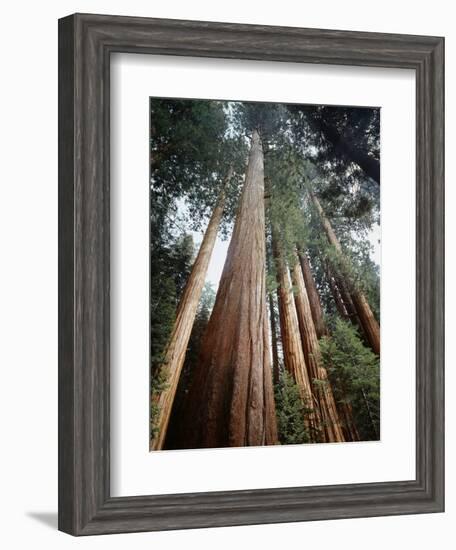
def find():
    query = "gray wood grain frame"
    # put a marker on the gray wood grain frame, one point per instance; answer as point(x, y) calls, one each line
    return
point(85, 45)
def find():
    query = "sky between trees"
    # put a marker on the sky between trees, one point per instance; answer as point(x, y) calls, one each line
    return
point(278, 207)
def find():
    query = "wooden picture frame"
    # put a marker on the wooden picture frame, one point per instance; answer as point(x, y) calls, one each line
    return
point(85, 45)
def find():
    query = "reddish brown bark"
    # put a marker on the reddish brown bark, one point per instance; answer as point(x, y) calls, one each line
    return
point(231, 400)
point(185, 317)
point(340, 305)
point(293, 353)
point(314, 298)
point(348, 423)
point(341, 296)
point(367, 319)
point(275, 351)
point(348, 302)
point(321, 386)
point(369, 323)
point(344, 408)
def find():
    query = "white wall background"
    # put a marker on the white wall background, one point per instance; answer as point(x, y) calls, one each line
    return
point(28, 272)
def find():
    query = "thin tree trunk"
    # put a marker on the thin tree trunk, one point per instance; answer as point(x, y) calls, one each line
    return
point(340, 305)
point(321, 385)
point(344, 302)
point(348, 423)
point(185, 317)
point(369, 412)
point(352, 315)
point(314, 298)
point(341, 296)
point(275, 351)
point(344, 408)
point(270, 436)
point(231, 401)
point(293, 353)
point(370, 325)
point(368, 320)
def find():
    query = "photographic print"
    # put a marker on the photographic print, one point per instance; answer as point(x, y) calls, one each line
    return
point(264, 274)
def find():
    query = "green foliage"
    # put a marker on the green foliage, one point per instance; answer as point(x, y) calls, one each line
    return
point(176, 428)
point(365, 275)
point(170, 267)
point(287, 218)
point(207, 300)
point(162, 314)
point(185, 137)
point(191, 151)
point(354, 371)
point(193, 144)
point(169, 270)
point(269, 119)
point(355, 265)
point(291, 412)
point(205, 306)
point(159, 382)
point(329, 135)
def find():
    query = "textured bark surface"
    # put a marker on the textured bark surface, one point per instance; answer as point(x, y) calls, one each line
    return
point(347, 300)
point(335, 291)
point(348, 423)
point(293, 353)
point(275, 351)
point(231, 401)
point(369, 323)
point(312, 292)
point(321, 386)
point(185, 317)
point(368, 320)
point(346, 311)
point(342, 298)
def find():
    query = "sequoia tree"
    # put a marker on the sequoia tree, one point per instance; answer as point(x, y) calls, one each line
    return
point(231, 399)
point(175, 352)
point(275, 351)
point(367, 319)
point(321, 385)
point(293, 353)
point(292, 288)
point(342, 298)
point(354, 369)
point(312, 292)
point(338, 393)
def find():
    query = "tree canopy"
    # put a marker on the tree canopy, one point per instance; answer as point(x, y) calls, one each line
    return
point(320, 200)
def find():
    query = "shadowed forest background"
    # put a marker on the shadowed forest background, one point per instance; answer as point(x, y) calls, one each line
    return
point(264, 274)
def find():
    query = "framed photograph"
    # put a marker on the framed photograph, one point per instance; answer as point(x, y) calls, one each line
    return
point(251, 274)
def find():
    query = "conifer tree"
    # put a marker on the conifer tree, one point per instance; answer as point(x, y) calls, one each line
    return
point(231, 397)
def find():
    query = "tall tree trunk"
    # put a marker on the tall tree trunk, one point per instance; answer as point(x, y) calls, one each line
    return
point(352, 315)
point(341, 297)
point(275, 351)
point(369, 164)
point(344, 303)
point(177, 346)
point(321, 385)
point(312, 292)
point(293, 353)
point(231, 400)
point(340, 305)
point(348, 422)
point(370, 325)
point(344, 407)
point(368, 320)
